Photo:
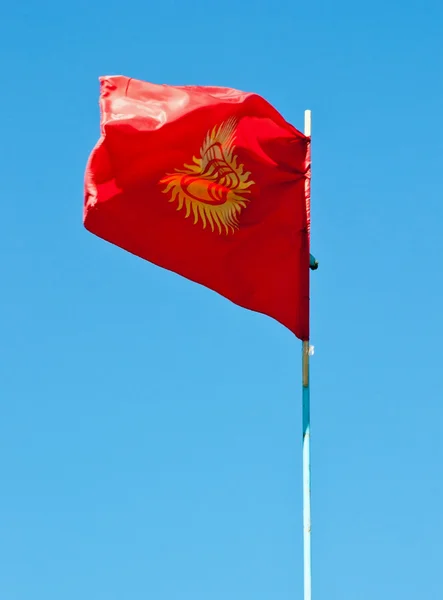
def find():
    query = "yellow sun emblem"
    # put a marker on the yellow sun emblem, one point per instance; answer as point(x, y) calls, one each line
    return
point(214, 188)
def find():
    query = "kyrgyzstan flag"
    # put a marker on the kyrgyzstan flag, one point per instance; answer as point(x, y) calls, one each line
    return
point(209, 182)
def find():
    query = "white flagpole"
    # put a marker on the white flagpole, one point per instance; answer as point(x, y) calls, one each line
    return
point(307, 575)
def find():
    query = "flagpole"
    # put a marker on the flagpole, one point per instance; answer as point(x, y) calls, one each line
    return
point(307, 574)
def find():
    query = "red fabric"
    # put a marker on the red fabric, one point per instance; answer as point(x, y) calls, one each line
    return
point(235, 218)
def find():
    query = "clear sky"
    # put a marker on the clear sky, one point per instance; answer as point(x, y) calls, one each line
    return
point(150, 431)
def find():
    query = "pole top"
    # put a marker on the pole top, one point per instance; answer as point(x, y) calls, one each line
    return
point(308, 119)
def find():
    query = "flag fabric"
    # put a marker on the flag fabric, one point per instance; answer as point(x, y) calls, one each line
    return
point(211, 183)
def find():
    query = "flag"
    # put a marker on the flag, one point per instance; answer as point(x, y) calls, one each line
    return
point(211, 183)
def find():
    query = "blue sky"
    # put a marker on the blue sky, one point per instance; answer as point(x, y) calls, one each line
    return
point(150, 431)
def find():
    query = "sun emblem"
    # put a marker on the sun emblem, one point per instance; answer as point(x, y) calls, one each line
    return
point(214, 188)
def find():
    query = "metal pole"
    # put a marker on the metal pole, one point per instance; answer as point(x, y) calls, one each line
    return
point(306, 473)
point(307, 575)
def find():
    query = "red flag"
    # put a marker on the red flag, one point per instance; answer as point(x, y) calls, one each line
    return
point(208, 182)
